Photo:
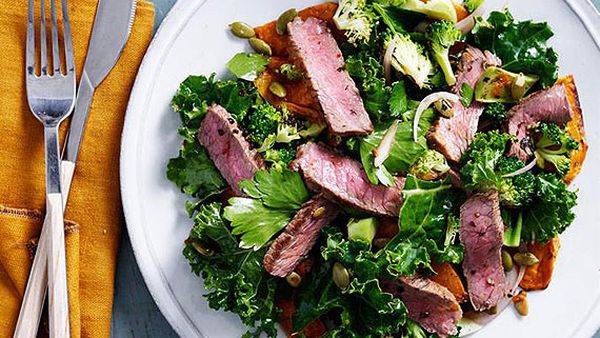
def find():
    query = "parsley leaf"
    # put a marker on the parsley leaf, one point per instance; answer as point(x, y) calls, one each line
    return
point(247, 66)
point(274, 198)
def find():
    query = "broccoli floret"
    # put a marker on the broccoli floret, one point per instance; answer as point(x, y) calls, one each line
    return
point(355, 19)
point(291, 72)
point(263, 122)
point(442, 35)
point(430, 166)
point(517, 190)
point(553, 147)
point(281, 157)
point(472, 5)
point(485, 165)
point(410, 59)
point(495, 111)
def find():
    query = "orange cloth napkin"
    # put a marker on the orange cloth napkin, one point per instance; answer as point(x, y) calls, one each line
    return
point(94, 215)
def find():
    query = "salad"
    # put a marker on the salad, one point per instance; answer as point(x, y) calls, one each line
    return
point(379, 168)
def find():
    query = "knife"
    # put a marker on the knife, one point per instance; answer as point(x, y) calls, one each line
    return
point(112, 26)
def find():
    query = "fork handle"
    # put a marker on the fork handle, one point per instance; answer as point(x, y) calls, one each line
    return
point(58, 300)
point(35, 293)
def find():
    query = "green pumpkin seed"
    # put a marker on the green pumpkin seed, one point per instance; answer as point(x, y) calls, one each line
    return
point(525, 258)
point(202, 249)
point(507, 261)
point(341, 277)
point(285, 18)
point(444, 108)
point(260, 46)
point(318, 212)
point(278, 90)
point(242, 30)
point(293, 279)
point(521, 305)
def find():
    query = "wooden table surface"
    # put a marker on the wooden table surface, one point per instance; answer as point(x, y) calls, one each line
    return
point(134, 312)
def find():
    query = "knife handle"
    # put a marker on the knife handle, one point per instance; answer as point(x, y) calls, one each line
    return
point(33, 300)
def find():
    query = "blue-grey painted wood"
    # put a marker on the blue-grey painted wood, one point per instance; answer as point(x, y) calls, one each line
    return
point(134, 312)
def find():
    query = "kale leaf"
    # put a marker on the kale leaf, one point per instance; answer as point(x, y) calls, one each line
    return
point(194, 173)
point(552, 210)
point(522, 46)
point(235, 277)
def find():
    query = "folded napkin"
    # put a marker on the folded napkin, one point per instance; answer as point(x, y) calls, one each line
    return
point(94, 217)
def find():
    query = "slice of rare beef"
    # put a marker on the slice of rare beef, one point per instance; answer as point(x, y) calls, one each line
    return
point(430, 304)
point(299, 236)
point(314, 50)
point(549, 105)
point(480, 232)
point(227, 148)
point(343, 179)
point(451, 136)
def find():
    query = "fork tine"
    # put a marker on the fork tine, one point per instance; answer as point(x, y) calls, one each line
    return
point(69, 58)
point(55, 46)
point(43, 47)
point(30, 50)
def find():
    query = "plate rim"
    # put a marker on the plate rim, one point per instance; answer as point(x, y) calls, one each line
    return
point(174, 22)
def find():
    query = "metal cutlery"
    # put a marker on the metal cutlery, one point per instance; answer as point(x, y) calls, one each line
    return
point(110, 33)
point(51, 97)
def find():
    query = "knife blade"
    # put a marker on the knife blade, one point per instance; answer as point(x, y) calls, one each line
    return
point(110, 32)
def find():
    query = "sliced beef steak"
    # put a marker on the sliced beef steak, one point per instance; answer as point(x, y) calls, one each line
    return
point(344, 180)
point(314, 50)
point(480, 232)
point(299, 236)
point(452, 136)
point(431, 305)
point(227, 148)
point(549, 105)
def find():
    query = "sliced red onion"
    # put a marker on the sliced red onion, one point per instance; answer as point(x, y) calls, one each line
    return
point(385, 147)
point(387, 59)
point(425, 103)
point(523, 170)
point(465, 25)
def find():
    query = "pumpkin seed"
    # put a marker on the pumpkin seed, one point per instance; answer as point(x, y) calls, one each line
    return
point(318, 212)
point(520, 302)
point(293, 279)
point(242, 30)
point(277, 89)
point(260, 46)
point(517, 90)
point(444, 108)
point(492, 311)
point(202, 249)
point(285, 18)
point(507, 261)
point(525, 258)
point(341, 277)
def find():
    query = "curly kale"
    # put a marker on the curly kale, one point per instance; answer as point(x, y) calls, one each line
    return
point(553, 147)
point(496, 112)
point(234, 276)
point(552, 210)
point(485, 166)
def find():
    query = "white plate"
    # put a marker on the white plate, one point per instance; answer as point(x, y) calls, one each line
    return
point(193, 39)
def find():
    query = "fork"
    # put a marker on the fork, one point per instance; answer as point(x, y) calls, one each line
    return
point(51, 97)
